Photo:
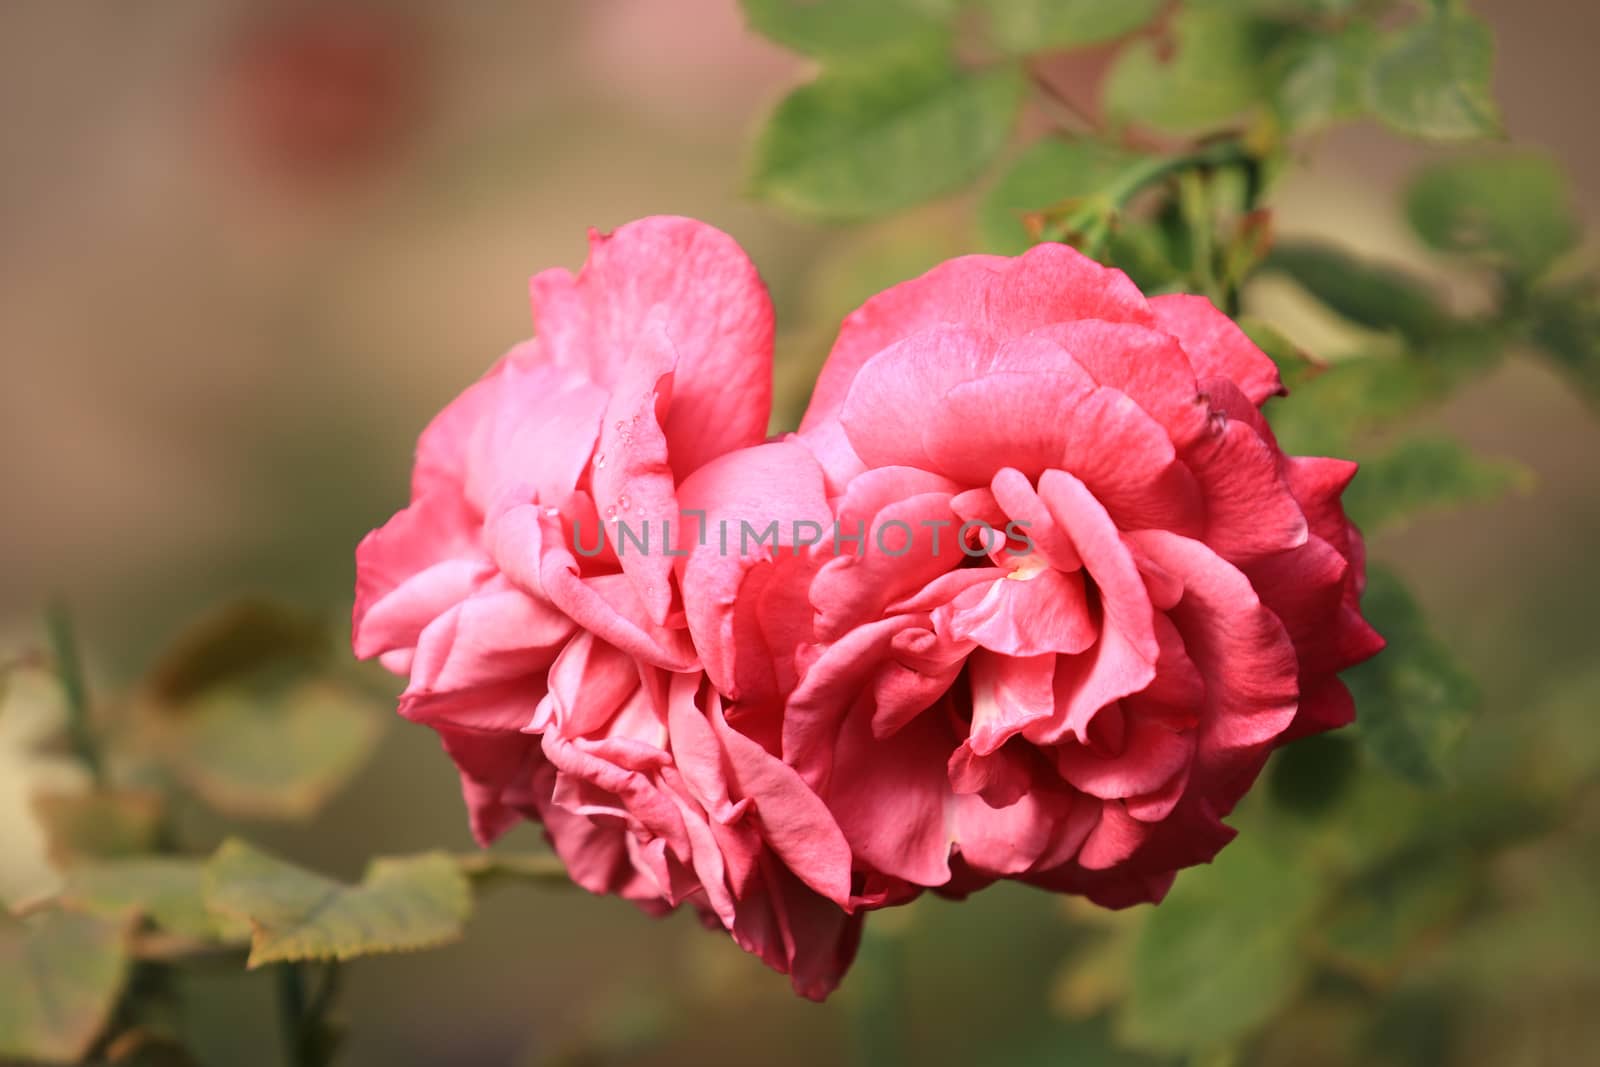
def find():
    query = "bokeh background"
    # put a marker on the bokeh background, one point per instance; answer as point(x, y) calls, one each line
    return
point(248, 248)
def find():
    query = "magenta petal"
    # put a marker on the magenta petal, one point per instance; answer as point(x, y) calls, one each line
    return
point(1216, 346)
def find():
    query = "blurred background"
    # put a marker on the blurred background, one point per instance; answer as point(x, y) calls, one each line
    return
point(247, 249)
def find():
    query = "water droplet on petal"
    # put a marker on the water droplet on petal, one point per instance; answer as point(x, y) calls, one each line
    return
point(552, 513)
point(625, 503)
point(600, 461)
point(611, 512)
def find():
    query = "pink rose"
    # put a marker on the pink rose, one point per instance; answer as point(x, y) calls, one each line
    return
point(561, 680)
point(1092, 594)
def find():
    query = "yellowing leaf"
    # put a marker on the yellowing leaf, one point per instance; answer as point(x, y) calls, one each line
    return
point(271, 756)
point(244, 711)
point(101, 823)
point(60, 975)
point(167, 890)
point(403, 903)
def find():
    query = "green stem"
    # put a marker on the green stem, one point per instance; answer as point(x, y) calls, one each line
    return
point(292, 1014)
point(1158, 168)
point(69, 668)
point(302, 1013)
point(879, 1030)
point(1192, 202)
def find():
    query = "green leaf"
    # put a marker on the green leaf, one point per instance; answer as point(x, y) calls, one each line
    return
point(60, 975)
point(1025, 26)
point(167, 890)
point(403, 903)
point(1431, 79)
point(1311, 773)
point(1214, 75)
point(841, 28)
point(1567, 327)
point(1321, 76)
point(1413, 700)
point(1052, 174)
point(1512, 211)
point(1425, 474)
point(1383, 915)
point(1222, 953)
point(1368, 294)
point(871, 139)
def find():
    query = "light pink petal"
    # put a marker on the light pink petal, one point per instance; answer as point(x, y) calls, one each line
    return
point(1123, 660)
point(907, 540)
point(795, 823)
point(631, 476)
point(1032, 611)
point(445, 448)
point(775, 484)
point(502, 705)
point(499, 778)
point(717, 315)
point(534, 441)
point(1006, 297)
point(589, 683)
point(896, 390)
point(1152, 754)
point(1101, 436)
point(1008, 693)
point(890, 796)
point(1007, 841)
point(421, 562)
point(1145, 363)
point(1115, 838)
point(495, 635)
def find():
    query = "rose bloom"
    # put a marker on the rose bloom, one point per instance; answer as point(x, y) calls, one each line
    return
point(1034, 593)
point(1091, 594)
point(563, 684)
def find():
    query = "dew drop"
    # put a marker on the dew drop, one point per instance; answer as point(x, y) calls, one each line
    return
point(611, 512)
point(624, 503)
point(600, 461)
point(552, 513)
